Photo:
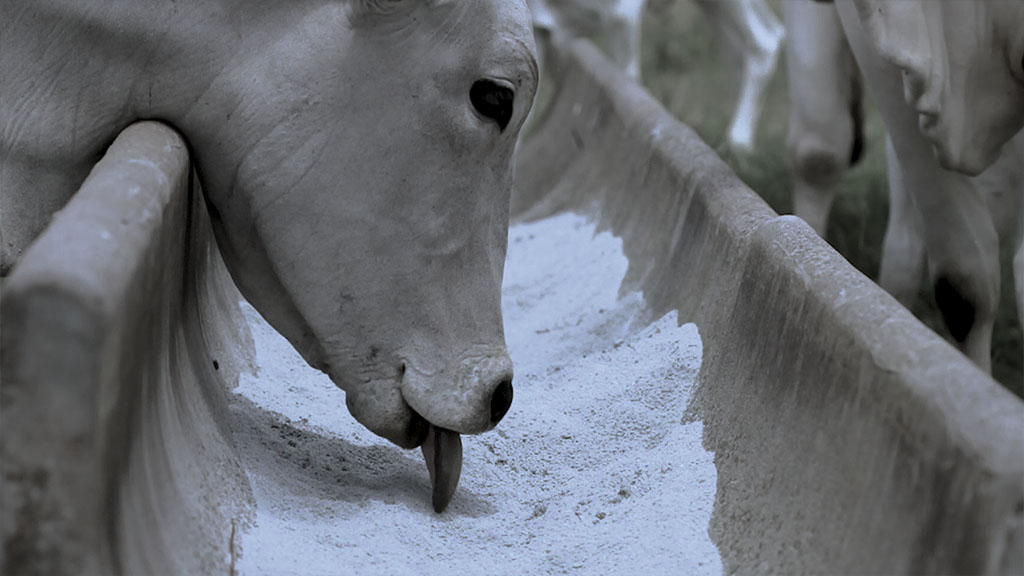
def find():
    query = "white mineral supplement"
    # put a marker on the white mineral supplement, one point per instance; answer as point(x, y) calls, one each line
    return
point(593, 470)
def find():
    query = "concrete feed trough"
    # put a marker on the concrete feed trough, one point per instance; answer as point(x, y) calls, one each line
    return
point(745, 401)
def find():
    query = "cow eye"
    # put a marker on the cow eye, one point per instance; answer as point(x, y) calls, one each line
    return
point(493, 101)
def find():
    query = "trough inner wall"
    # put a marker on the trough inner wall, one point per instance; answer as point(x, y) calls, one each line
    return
point(849, 438)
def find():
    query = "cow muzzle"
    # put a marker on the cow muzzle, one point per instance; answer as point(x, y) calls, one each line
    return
point(469, 396)
point(433, 408)
point(472, 398)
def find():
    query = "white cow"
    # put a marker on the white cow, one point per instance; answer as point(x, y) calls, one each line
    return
point(750, 26)
point(960, 67)
point(357, 158)
point(947, 78)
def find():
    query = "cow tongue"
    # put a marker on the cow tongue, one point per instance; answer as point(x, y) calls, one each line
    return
point(443, 452)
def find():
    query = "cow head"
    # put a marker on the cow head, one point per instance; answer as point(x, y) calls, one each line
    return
point(358, 160)
point(963, 71)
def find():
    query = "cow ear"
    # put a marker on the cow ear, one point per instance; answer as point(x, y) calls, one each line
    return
point(897, 29)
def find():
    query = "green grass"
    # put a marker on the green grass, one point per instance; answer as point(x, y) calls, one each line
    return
point(689, 71)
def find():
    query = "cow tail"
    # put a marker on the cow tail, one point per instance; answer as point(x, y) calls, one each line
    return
point(857, 116)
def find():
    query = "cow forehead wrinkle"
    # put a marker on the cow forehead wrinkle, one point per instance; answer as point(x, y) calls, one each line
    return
point(451, 23)
point(501, 41)
point(508, 33)
point(497, 33)
point(522, 41)
point(525, 65)
point(385, 15)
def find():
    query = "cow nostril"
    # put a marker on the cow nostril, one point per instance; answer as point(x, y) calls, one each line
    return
point(501, 401)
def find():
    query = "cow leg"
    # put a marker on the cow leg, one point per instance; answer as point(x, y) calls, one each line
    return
point(962, 244)
point(822, 86)
point(1018, 258)
point(756, 35)
point(966, 280)
point(960, 238)
point(1018, 261)
point(994, 213)
point(1002, 186)
point(624, 38)
point(903, 251)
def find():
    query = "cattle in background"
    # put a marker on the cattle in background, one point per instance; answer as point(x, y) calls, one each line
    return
point(825, 108)
point(750, 27)
point(357, 159)
point(947, 79)
point(959, 66)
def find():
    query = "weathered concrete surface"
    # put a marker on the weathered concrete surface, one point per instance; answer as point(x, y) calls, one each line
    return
point(120, 330)
point(848, 437)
